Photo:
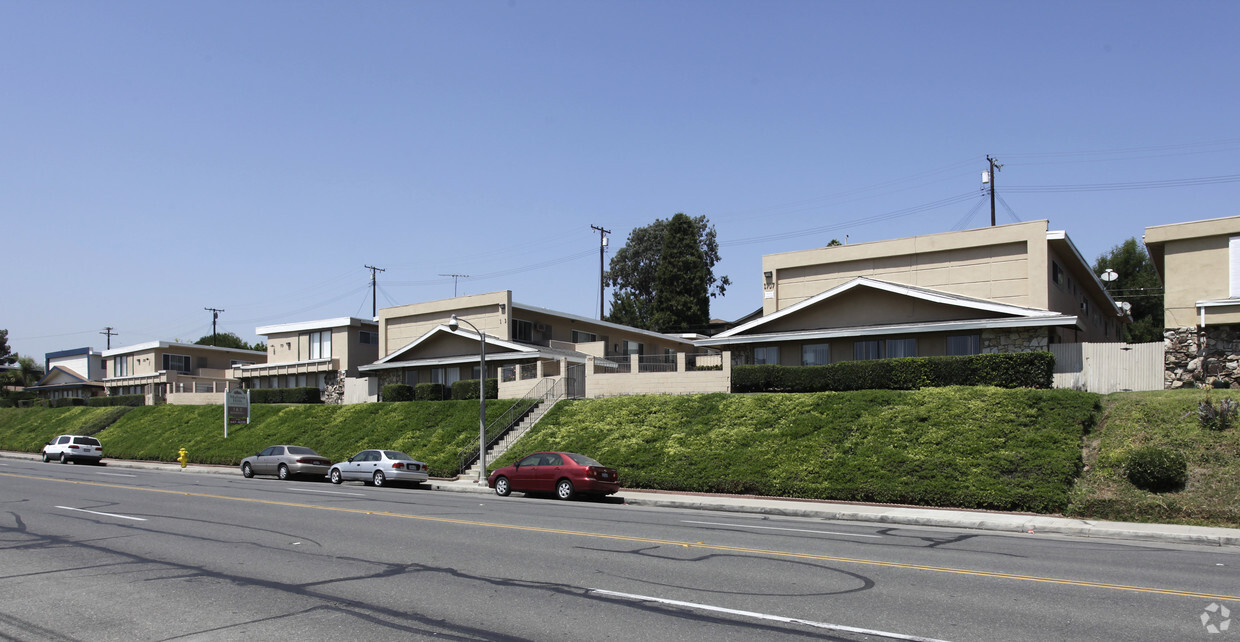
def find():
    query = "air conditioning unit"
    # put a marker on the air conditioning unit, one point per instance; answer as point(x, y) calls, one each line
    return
point(541, 327)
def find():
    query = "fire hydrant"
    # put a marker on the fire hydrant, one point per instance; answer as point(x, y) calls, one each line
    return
point(183, 457)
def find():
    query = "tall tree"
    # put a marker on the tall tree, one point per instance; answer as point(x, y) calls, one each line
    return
point(1138, 285)
point(7, 358)
point(633, 271)
point(227, 340)
point(682, 280)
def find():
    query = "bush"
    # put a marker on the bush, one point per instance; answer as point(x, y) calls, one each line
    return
point(397, 392)
point(118, 400)
point(1157, 469)
point(66, 402)
point(431, 392)
point(1008, 370)
point(1218, 417)
point(468, 389)
point(307, 394)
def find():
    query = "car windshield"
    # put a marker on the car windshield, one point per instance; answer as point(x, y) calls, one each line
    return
point(300, 450)
point(582, 459)
point(396, 454)
point(86, 441)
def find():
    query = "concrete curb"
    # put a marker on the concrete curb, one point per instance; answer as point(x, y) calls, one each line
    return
point(879, 514)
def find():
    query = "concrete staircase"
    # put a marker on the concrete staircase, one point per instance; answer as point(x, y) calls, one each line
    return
point(513, 435)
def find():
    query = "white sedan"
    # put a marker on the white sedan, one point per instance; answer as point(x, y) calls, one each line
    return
point(379, 467)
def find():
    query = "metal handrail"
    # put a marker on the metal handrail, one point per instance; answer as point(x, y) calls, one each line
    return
point(543, 392)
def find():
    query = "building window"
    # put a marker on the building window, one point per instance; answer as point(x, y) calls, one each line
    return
point(321, 344)
point(120, 367)
point(631, 347)
point(366, 337)
point(237, 362)
point(1057, 274)
point(896, 348)
point(411, 377)
point(766, 356)
point(522, 330)
point(446, 376)
point(583, 337)
point(176, 363)
point(815, 354)
point(964, 344)
point(866, 350)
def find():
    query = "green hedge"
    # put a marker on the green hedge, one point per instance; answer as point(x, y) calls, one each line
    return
point(468, 389)
point(431, 392)
point(118, 400)
point(1008, 370)
point(66, 402)
point(397, 392)
point(307, 394)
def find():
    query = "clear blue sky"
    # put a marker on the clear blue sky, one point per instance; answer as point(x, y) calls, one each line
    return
point(162, 157)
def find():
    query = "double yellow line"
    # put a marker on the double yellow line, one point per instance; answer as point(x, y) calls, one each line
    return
point(665, 542)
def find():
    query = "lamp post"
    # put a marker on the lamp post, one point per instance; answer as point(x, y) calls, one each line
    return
point(453, 324)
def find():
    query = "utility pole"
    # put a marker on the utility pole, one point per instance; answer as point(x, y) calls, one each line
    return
point(602, 245)
point(454, 278)
point(108, 331)
point(994, 167)
point(215, 314)
point(374, 291)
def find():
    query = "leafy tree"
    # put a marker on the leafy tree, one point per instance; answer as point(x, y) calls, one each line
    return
point(834, 243)
point(228, 340)
point(681, 297)
point(1138, 285)
point(7, 358)
point(28, 372)
point(634, 270)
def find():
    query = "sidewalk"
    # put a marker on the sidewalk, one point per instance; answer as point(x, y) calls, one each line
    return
point(874, 513)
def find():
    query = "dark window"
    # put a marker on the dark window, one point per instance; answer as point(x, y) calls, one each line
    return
point(867, 349)
point(522, 330)
point(176, 363)
point(964, 344)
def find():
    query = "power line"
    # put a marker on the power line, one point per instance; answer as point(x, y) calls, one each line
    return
point(1112, 187)
point(454, 279)
point(374, 288)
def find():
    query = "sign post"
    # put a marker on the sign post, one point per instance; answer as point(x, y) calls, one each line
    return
point(236, 408)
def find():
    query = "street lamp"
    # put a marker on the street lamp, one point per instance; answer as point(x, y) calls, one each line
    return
point(453, 324)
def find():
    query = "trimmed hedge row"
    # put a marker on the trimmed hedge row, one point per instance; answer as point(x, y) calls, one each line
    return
point(1007, 370)
point(118, 400)
point(468, 389)
point(307, 394)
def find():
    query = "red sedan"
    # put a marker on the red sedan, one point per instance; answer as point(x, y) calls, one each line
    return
point(565, 474)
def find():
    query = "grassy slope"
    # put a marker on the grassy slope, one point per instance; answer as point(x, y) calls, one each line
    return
point(1164, 418)
point(967, 447)
point(28, 429)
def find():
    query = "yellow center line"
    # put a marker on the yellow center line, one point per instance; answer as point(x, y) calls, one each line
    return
point(664, 542)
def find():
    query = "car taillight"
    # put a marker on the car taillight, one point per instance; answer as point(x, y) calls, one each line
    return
point(398, 465)
point(308, 460)
point(74, 447)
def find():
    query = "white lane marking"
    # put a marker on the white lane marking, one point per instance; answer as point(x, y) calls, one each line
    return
point(767, 616)
point(329, 492)
point(776, 528)
point(118, 474)
point(92, 512)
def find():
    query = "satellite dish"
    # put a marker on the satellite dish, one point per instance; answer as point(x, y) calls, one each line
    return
point(1127, 307)
point(1109, 275)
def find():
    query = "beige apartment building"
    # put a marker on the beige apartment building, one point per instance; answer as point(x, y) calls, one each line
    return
point(324, 354)
point(524, 345)
point(1009, 288)
point(174, 372)
point(1199, 264)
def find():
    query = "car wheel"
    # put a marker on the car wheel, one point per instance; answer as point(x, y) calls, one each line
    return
point(64, 458)
point(379, 478)
point(564, 489)
point(45, 457)
point(335, 476)
point(246, 471)
point(502, 487)
point(282, 472)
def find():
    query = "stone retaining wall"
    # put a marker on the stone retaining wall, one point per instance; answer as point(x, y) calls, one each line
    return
point(1187, 364)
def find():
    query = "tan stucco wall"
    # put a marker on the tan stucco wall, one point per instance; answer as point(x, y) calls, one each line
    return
point(868, 306)
point(1195, 267)
point(347, 351)
point(401, 325)
point(1004, 264)
point(658, 383)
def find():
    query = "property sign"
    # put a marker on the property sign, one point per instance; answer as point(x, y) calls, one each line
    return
point(236, 408)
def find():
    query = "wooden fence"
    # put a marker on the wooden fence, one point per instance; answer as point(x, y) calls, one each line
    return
point(1108, 367)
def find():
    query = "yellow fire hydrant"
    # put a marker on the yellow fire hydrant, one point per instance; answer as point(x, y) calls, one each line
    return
point(183, 457)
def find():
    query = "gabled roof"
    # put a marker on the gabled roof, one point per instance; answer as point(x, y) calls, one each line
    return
point(62, 377)
point(606, 324)
point(925, 294)
point(514, 351)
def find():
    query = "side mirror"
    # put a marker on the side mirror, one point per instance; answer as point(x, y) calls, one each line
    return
point(350, 461)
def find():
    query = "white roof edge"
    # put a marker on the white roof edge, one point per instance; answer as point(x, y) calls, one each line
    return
point(1060, 235)
point(502, 356)
point(939, 326)
point(607, 324)
point(172, 344)
point(297, 326)
point(257, 366)
point(1214, 303)
point(491, 340)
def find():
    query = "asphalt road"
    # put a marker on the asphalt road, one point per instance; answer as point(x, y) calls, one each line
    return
point(122, 554)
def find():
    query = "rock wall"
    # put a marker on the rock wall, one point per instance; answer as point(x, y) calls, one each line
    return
point(333, 387)
point(1015, 340)
point(1189, 364)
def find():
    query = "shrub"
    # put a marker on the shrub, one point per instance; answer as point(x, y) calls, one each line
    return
point(118, 400)
point(397, 392)
point(431, 392)
point(66, 402)
point(1157, 469)
point(1217, 417)
point(468, 389)
point(1007, 370)
point(308, 394)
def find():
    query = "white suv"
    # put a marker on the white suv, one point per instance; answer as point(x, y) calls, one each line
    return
point(73, 448)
